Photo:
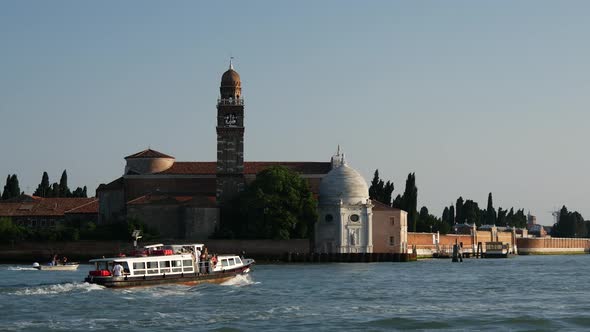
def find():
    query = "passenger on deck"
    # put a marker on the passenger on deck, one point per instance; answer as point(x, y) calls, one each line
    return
point(198, 255)
point(117, 270)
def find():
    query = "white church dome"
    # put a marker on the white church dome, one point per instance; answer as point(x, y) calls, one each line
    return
point(344, 184)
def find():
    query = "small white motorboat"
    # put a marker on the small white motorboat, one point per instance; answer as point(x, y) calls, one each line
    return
point(73, 266)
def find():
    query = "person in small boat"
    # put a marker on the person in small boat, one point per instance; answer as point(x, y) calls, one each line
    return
point(64, 260)
point(54, 260)
point(117, 270)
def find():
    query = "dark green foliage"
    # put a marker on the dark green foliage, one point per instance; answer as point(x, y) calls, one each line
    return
point(570, 224)
point(379, 190)
point(446, 216)
point(43, 188)
point(490, 214)
point(74, 230)
point(452, 220)
point(80, 192)
point(10, 231)
point(12, 188)
point(428, 223)
point(459, 218)
point(410, 201)
point(471, 213)
point(64, 191)
point(501, 220)
point(277, 205)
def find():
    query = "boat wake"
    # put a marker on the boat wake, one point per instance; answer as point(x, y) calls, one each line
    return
point(57, 289)
point(20, 268)
point(240, 280)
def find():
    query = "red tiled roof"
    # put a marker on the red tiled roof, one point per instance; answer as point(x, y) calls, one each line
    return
point(88, 208)
point(41, 206)
point(250, 167)
point(165, 199)
point(378, 206)
point(148, 153)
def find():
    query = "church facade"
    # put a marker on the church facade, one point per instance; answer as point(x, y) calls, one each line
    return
point(183, 199)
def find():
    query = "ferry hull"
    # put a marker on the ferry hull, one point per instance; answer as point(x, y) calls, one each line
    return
point(184, 278)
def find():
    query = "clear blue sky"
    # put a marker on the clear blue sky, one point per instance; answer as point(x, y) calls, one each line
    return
point(473, 96)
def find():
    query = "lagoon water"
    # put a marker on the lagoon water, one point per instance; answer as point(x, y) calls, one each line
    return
point(521, 294)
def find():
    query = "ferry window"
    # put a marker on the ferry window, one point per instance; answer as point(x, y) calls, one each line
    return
point(139, 266)
point(164, 266)
point(102, 266)
point(224, 262)
point(188, 265)
point(176, 266)
point(152, 267)
point(231, 261)
point(238, 260)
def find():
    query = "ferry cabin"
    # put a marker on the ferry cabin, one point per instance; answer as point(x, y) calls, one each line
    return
point(164, 265)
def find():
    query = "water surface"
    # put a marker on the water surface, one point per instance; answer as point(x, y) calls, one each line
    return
point(525, 293)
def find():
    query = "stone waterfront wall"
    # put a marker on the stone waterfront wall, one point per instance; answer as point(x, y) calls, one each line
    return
point(553, 246)
point(29, 252)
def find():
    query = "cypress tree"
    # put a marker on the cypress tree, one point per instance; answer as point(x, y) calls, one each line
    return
point(12, 188)
point(6, 191)
point(445, 216)
point(490, 211)
point(452, 215)
point(64, 191)
point(43, 188)
point(374, 188)
point(459, 218)
point(410, 200)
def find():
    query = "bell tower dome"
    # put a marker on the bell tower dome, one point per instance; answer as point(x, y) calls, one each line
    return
point(230, 137)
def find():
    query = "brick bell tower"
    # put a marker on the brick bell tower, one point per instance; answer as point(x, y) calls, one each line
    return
point(230, 137)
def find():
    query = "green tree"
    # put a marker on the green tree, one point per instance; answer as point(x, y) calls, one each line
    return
point(80, 192)
point(471, 212)
point(452, 219)
point(9, 231)
point(490, 214)
point(64, 191)
point(446, 216)
point(459, 218)
point(277, 205)
point(44, 187)
point(379, 190)
point(12, 188)
point(409, 201)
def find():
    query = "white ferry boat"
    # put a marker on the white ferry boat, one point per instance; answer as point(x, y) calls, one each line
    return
point(498, 250)
point(162, 264)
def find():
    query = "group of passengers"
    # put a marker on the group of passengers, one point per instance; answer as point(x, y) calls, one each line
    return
point(56, 261)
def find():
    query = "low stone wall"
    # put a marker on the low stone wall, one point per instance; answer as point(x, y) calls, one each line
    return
point(25, 252)
point(527, 246)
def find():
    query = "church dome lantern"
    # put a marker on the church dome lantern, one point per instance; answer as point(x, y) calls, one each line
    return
point(231, 85)
point(343, 185)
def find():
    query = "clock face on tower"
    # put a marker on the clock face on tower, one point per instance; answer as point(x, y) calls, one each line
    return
point(230, 120)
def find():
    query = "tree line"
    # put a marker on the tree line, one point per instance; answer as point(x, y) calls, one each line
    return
point(44, 189)
point(570, 224)
point(463, 211)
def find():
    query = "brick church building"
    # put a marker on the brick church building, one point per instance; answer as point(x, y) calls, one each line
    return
point(182, 199)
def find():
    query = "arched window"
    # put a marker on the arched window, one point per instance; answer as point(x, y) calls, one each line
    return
point(354, 217)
